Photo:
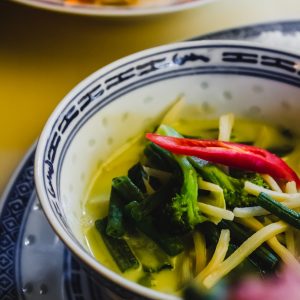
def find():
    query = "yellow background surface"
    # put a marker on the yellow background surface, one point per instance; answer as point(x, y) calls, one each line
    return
point(44, 54)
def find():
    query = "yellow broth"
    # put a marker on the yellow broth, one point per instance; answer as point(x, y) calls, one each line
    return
point(96, 205)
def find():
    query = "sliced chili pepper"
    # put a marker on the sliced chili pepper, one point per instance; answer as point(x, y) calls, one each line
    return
point(235, 155)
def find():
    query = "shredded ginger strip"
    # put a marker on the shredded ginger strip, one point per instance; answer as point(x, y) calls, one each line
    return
point(256, 211)
point(173, 110)
point(208, 186)
point(215, 211)
point(272, 183)
point(255, 190)
point(278, 248)
point(225, 127)
point(200, 251)
point(291, 200)
point(252, 243)
point(218, 256)
point(291, 187)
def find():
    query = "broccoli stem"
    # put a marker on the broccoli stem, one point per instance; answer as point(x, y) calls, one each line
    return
point(118, 248)
point(160, 158)
point(184, 206)
point(233, 188)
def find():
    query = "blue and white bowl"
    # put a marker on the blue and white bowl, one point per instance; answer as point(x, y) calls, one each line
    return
point(121, 100)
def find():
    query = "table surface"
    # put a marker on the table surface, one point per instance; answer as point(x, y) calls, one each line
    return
point(44, 54)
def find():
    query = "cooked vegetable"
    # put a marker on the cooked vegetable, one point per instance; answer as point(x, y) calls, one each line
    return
point(137, 209)
point(200, 251)
point(257, 211)
point(187, 210)
point(251, 244)
point(138, 176)
point(290, 241)
point(115, 219)
point(230, 154)
point(291, 187)
point(152, 258)
point(212, 201)
point(218, 256)
point(146, 207)
point(123, 191)
point(233, 188)
point(183, 210)
point(271, 182)
point(186, 270)
point(225, 127)
point(255, 190)
point(118, 248)
point(286, 214)
point(278, 248)
point(127, 189)
point(248, 212)
point(170, 243)
point(216, 212)
point(262, 256)
point(212, 235)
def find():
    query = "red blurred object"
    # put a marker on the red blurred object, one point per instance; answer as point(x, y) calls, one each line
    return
point(286, 285)
point(235, 155)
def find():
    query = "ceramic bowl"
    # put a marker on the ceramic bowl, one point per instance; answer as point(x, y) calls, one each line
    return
point(121, 100)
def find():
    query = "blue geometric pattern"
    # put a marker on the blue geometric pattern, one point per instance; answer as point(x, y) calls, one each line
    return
point(77, 282)
point(10, 222)
point(11, 219)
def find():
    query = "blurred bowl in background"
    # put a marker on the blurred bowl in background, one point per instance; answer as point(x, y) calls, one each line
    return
point(137, 8)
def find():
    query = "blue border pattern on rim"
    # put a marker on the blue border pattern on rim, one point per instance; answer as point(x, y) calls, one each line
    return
point(202, 71)
point(267, 61)
point(11, 219)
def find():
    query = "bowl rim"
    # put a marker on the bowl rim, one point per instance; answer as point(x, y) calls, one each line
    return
point(80, 253)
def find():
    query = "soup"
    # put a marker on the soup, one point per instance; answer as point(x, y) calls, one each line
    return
point(166, 255)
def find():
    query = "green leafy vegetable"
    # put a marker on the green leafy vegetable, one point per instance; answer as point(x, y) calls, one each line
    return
point(183, 210)
point(118, 248)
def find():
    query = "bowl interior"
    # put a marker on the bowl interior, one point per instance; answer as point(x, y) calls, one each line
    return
point(132, 114)
point(128, 97)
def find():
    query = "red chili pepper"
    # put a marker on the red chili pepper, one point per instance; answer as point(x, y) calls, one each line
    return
point(235, 155)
